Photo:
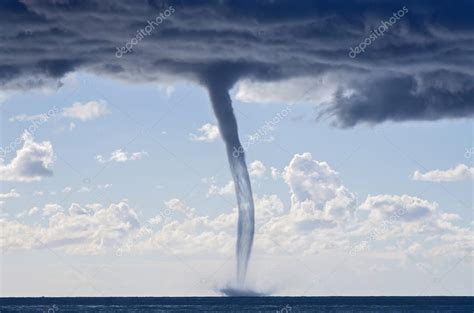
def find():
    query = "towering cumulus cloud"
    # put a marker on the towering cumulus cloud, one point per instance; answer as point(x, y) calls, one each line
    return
point(218, 86)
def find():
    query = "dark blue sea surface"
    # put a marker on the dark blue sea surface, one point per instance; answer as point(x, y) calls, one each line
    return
point(239, 304)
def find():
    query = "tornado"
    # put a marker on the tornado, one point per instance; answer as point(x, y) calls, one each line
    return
point(222, 106)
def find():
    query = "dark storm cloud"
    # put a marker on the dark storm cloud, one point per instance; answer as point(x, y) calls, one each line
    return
point(421, 68)
point(405, 98)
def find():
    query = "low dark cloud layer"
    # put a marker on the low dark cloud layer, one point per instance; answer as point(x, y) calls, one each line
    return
point(420, 69)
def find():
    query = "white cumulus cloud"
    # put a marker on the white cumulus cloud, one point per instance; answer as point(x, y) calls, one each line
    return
point(275, 172)
point(227, 189)
point(33, 210)
point(407, 208)
point(67, 189)
point(457, 173)
point(315, 185)
point(86, 111)
point(31, 163)
point(321, 214)
point(29, 118)
point(120, 155)
point(207, 133)
point(257, 169)
point(51, 209)
point(89, 229)
point(11, 194)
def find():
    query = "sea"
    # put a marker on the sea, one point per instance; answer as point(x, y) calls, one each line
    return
point(239, 304)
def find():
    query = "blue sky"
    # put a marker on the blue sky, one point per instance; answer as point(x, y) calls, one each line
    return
point(156, 121)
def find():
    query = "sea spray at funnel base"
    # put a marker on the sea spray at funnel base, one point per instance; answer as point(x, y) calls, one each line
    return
point(222, 105)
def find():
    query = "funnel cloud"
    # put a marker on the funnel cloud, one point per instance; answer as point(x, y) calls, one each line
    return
point(218, 88)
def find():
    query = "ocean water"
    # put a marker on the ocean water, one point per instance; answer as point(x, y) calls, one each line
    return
point(240, 304)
